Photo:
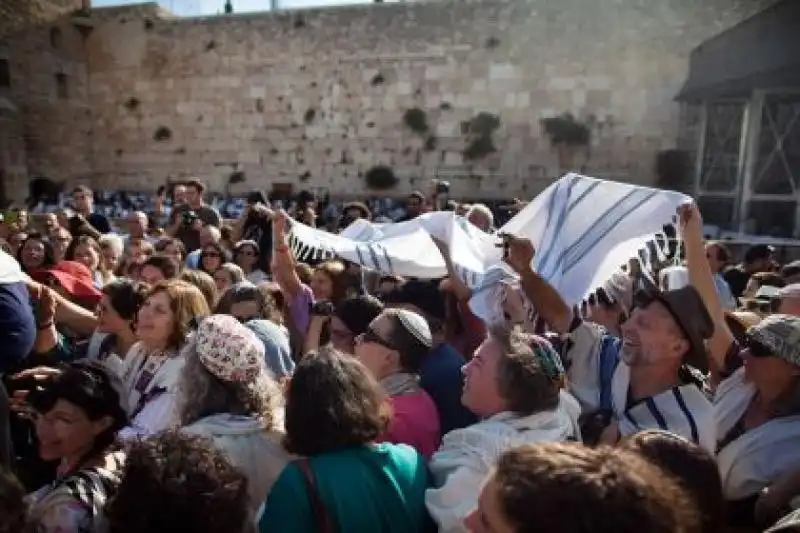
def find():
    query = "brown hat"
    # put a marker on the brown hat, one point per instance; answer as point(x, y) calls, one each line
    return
point(687, 308)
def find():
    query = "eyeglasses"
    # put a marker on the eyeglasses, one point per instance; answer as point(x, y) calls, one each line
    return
point(211, 254)
point(371, 336)
point(246, 253)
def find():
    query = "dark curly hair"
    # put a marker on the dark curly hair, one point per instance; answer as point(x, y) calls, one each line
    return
point(616, 491)
point(90, 387)
point(333, 402)
point(178, 482)
point(126, 297)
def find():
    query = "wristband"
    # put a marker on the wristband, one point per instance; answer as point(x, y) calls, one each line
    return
point(282, 248)
point(46, 325)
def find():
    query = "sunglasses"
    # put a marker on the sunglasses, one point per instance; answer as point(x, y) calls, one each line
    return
point(757, 349)
point(370, 336)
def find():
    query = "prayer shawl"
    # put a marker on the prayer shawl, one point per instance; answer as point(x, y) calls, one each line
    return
point(759, 456)
point(683, 410)
point(600, 380)
point(583, 229)
point(467, 455)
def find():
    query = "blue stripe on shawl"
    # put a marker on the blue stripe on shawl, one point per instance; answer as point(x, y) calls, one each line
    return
point(374, 256)
point(554, 230)
point(388, 259)
point(599, 223)
point(572, 260)
point(360, 256)
point(565, 215)
point(687, 414)
point(657, 416)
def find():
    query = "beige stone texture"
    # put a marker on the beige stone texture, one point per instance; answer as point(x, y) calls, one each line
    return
point(317, 97)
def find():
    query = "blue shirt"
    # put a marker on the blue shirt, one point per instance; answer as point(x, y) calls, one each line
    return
point(17, 325)
point(440, 376)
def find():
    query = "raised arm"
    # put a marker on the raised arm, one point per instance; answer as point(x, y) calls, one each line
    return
point(545, 299)
point(703, 281)
point(283, 261)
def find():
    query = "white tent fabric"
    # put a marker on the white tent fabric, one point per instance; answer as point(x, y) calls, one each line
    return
point(583, 229)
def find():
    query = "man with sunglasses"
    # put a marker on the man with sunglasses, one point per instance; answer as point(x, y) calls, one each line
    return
point(641, 380)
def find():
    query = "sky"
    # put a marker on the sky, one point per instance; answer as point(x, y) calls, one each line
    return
point(211, 7)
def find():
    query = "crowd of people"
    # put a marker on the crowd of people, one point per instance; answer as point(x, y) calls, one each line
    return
point(184, 374)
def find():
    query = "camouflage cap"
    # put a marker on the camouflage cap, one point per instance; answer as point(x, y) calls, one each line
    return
point(781, 335)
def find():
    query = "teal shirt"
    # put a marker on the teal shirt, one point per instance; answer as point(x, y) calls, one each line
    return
point(376, 488)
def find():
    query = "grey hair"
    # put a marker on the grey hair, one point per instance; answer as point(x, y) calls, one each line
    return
point(202, 394)
point(111, 241)
point(234, 271)
point(483, 210)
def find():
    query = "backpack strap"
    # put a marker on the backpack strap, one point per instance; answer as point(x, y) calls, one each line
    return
point(321, 516)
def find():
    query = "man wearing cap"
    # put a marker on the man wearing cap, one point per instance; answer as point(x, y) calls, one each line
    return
point(641, 380)
point(392, 349)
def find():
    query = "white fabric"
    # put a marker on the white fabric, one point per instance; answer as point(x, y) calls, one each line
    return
point(250, 447)
point(576, 224)
point(10, 271)
point(682, 410)
point(160, 412)
point(467, 455)
point(761, 455)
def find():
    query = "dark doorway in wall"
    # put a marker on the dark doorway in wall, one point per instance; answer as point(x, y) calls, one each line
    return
point(5, 74)
point(55, 38)
point(62, 86)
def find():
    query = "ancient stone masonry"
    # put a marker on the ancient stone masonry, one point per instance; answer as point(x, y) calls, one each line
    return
point(317, 98)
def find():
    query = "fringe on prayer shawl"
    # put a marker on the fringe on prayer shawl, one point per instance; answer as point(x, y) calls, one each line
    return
point(584, 230)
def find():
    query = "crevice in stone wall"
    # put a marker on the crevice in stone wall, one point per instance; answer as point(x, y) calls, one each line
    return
point(378, 79)
point(162, 134)
point(132, 104)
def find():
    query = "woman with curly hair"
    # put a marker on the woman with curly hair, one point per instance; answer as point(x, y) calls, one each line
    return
point(335, 412)
point(211, 496)
point(227, 394)
point(77, 416)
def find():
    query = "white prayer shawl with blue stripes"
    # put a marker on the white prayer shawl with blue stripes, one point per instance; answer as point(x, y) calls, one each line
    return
point(583, 229)
point(683, 410)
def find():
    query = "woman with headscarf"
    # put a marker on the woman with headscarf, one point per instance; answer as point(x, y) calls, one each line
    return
point(228, 394)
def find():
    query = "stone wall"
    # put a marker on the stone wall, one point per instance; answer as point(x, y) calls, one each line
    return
point(316, 98)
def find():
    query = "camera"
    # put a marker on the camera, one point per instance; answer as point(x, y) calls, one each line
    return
point(188, 218)
point(443, 187)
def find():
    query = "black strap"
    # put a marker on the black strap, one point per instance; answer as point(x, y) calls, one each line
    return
point(321, 516)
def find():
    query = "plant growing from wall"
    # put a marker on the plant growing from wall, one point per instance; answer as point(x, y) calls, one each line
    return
point(416, 120)
point(478, 133)
point(570, 138)
point(380, 178)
